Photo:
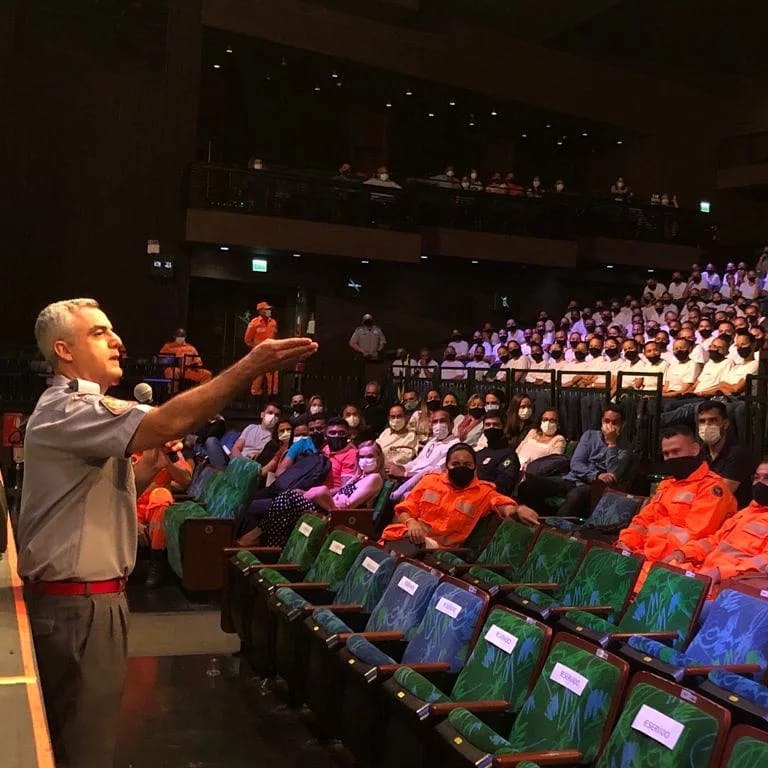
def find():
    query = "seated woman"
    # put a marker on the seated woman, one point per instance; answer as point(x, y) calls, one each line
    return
point(469, 428)
point(543, 441)
point(519, 419)
point(358, 492)
point(274, 451)
point(357, 426)
point(443, 508)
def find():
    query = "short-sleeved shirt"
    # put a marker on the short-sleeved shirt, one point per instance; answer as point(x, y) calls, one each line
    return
point(256, 439)
point(78, 507)
point(734, 462)
point(370, 340)
point(343, 464)
point(679, 374)
point(712, 374)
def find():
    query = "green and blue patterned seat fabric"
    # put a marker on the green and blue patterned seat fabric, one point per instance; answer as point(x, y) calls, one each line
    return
point(554, 717)
point(748, 749)
point(668, 601)
point(224, 495)
point(367, 579)
point(613, 512)
point(750, 690)
point(629, 747)
point(509, 544)
point(604, 577)
point(735, 631)
point(501, 665)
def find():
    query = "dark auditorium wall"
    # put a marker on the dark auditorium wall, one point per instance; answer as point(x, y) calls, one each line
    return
point(103, 122)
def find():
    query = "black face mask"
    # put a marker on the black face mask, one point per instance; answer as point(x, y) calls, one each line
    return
point(574, 344)
point(514, 353)
point(461, 477)
point(673, 332)
point(371, 399)
point(715, 356)
point(580, 356)
point(337, 443)
point(537, 358)
point(555, 354)
point(456, 337)
point(494, 436)
point(318, 439)
point(595, 351)
point(760, 494)
point(653, 359)
point(682, 356)
point(299, 407)
point(612, 353)
point(503, 359)
point(682, 466)
point(453, 410)
point(705, 333)
point(633, 357)
point(476, 413)
point(368, 323)
point(744, 352)
point(450, 357)
point(433, 405)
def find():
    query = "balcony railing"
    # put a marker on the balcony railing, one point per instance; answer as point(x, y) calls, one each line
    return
point(423, 204)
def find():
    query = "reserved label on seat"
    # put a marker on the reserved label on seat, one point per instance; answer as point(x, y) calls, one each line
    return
point(370, 565)
point(448, 607)
point(658, 726)
point(409, 586)
point(569, 678)
point(337, 547)
point(305, 529)
point(502, 639)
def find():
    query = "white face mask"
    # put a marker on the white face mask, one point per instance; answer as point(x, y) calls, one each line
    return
point(284, 436)
point(491, 407)
point(525, 413)
point(549, 428)
point(267, 313)
point(396, 423)
point(383, 177)
point(473, 176)
point(440, 431)
point(180, 339)
point(367, 464)
point(315, 408)
point(269, 420)
point(352, 420)
point(710, 434)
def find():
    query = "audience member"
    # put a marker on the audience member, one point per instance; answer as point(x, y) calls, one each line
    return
point(397, 442)
point(368, 339)
point(189, 365)
point(497, 463)
point(541, 441)
point(382, 179)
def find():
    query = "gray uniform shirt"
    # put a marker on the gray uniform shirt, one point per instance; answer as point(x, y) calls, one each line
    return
point(78, 505)
point(370, 340)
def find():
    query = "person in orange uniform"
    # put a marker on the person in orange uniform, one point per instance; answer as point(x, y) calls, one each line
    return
point(190, 365)
point(262, 327)
point(173, 473)
point(739, 547)
point(444, 507)
point(690, 504)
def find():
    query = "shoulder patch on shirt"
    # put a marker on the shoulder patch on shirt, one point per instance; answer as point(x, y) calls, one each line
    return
point(117, 407)
point(487, 460)
point(717, 490)
point(506, 462)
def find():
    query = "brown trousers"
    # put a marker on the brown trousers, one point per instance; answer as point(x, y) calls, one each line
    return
point(81, 647)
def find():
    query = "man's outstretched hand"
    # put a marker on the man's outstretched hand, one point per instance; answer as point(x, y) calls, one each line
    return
point(279, 353)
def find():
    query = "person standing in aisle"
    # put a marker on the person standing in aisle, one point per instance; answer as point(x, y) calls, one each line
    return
point(262, 327)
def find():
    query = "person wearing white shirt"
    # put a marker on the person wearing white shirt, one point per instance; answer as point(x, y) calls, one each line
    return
point(581, 325)
point(696, 283)
point(654, 288)
point(489, 334)
point(654, 313)
point(669, 317)
point(728, 286)
point(513, 332)
point(485, 346)
point(460, 346)
point(632, 365)
point(569, 350)
point(538, 368)
point(677, 287)
point(425, 365)
point(517, 362)
point(403, 365)
point(680, 376)
point(549, 325)
point(734, 382)
point(712, 278)
point(452, 369)
point(478, 360)
point(595, 347)
point(398, 443)
point(750, 288)
point(653, 363)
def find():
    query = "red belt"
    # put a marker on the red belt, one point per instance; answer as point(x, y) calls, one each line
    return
point(77, 588)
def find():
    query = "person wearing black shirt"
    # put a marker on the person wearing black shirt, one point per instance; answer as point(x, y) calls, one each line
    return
point(374, 413)
point(721, 450)
point(498, 463)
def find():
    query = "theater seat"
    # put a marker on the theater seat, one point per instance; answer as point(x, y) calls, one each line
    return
point(747, 747)
point(496, 679)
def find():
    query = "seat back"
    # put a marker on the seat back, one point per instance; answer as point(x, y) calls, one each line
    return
point(747, 748)
point(613, 511)
point(367, 579)
point(664, 724)
point(669, 600)
point(235, 488)
point(480, 534)
point(574, 701)
point(380, 504)
point(604, 577)
point(553, 558)
point(505, 660)
point(212, 488)
point(335, 557)
point(242, 474)
point(735, 631)
point(509, 544)
point(304, 542)
point(200, 479)
point(405, 599)
point(449, 625)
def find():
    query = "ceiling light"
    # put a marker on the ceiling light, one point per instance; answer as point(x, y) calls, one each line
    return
point(388, 104)
point(548, 125)
point(609, 266)
point(364, 261)
point(339, 83)
point(584, 133)
point(423, 257)
point(430, 114)
point(523, 135)
point(228, 49)
point(268, 77)
point(409, 92)
point(475, 261)
point(217, 66)
point(564, 138)
point(559, 143)
point(651, 270)
point(619, 141)
point(223, 247)
point(333, 74)
point(317, 89)
point(472, 119)
point(451, 103)
point(296, 255)
point(494, 113)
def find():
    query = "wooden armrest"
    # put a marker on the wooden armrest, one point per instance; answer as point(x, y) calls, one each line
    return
point(584, 608)
point(253, 550)
point(372, 636)
point(652, 635)
point(304, 584)
point(483, 705)
point(550, 757)
point(532, 584)
point(705, 669)
point(436, 666)
point(341, 608)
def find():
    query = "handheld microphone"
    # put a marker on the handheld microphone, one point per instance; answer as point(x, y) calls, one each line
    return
point(142, 393)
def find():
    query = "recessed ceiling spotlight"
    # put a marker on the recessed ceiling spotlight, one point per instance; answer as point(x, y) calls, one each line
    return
point(409, 92)
point(609, 266)
point(584, 133)
point(388, 105)
point(339, 83)
point(430, 114)
point(223, 247)
point(217, 66)
point(475, 261)
point(619, 141)
point(494, 113)
point(296, 255)
point(317, 89)
point(228, 49)
point(334, 75)
point(423, 257)
point(364, 261)
point(523, 135)
point(548, 125)
point(559, 143)
point(451, 103)
point(651, 270)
